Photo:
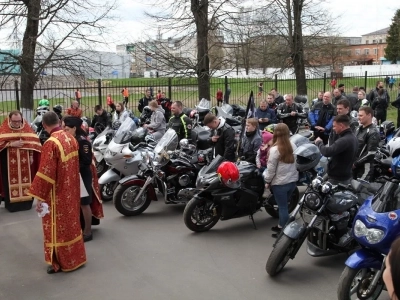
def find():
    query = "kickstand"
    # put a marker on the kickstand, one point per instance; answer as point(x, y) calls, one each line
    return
point(254, 223)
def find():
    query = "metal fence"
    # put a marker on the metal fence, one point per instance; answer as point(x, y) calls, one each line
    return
point(183, 89)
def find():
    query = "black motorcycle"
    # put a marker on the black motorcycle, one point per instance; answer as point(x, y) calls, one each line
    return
point(37, 126)
point(213, 201)
point(327, 214)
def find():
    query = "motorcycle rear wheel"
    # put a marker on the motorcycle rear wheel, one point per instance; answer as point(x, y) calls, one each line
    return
point(273, 211)
point(279, 255)
point(197, 211)
point(123, 199)
point(353, 282)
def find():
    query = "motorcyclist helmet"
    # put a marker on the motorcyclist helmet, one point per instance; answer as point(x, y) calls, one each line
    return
point(354, 114)
point(388, 127)
point(229, 175)
point(58, 109)
point(116, 125)
point(149, 139)
point(307, 157)
point(396, 166)
point(394, 147)
point(270, 128)
point(300, 99)
point(365, 102)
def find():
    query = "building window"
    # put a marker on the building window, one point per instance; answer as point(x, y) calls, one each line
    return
point(367, 41)
point(357, 52)
point(380, 41)
point(373, 41)
point(366, 51)
point(375, 50)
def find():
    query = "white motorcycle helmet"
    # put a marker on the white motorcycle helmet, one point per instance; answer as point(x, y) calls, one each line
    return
point(394, 147)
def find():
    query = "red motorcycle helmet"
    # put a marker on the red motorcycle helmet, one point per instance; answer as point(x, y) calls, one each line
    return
point(229, 175)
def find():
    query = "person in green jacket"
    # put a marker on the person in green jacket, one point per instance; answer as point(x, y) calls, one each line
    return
point(44, 101)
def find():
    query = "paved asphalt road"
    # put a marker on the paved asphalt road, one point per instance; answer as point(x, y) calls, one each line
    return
point(154, 256)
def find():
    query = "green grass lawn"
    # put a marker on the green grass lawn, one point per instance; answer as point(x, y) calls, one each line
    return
point(186, 90)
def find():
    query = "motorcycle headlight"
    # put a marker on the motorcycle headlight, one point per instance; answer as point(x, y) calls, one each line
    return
point(326, 187)
point(372, 235)
point(316, 183)
point(312, 201)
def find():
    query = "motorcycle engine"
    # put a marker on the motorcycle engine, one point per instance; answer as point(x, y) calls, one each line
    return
point(184, 180)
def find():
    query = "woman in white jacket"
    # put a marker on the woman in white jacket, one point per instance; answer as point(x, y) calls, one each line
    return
point(120, 114)
point(281, 175)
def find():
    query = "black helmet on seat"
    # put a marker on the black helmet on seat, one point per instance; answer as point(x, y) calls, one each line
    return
point(307, 157)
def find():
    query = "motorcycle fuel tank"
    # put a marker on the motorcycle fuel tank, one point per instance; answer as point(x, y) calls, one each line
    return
point(341, 202)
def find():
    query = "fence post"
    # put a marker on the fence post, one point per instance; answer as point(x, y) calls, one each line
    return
point(16, 93)
point(170, 88)
point(99, 90)
point(324, 88)
point(365, 81)
point(276, 82)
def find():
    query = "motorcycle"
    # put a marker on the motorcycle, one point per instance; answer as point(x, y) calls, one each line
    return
point(100, 145)
point(37, 126)
point(375, 227)
point(122, 155)
point(327, 213)
point(170, 170)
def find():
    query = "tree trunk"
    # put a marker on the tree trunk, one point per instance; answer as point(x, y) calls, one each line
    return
point(297, 48)
point(27, 59)
point(199, 9)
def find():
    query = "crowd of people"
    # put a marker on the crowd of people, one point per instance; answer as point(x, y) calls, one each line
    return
point(65, 161)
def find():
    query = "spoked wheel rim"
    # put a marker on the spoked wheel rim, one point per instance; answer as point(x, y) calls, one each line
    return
point(202, 215)
point(361, 286)
point(128, 197)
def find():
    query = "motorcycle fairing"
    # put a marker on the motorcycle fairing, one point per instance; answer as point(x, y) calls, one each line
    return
point(109, 176)
point(363, 258)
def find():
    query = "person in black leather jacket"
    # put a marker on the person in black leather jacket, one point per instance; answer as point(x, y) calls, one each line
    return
point(368, 141)
point(343, 108)
point(180, 122)
point(222, 137)
point(289, 112)
point(144, 101)
point(251, 142)
point(101, 117)
point(342, 152)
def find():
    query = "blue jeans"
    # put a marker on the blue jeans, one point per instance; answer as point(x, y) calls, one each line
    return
point(282, 195)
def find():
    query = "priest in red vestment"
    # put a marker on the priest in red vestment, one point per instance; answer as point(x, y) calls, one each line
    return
point(57, 184)
point(19, 160)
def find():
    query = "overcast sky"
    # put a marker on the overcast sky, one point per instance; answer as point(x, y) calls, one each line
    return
point(357, 17)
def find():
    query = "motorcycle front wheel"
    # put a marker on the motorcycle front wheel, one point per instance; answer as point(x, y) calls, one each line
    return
point(107, 191)
point(280, 255)
point(101, 167)
point(124, 200)
point(273, 210)
point(199, 216)
point(355, 284)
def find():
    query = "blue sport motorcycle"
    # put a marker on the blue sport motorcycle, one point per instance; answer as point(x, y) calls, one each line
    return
point(375, 227)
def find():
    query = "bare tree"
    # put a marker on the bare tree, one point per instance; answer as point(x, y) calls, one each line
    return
point(202, 21)
point(51, 26)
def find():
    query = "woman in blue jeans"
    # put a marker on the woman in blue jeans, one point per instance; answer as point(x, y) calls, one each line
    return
point(281, 175)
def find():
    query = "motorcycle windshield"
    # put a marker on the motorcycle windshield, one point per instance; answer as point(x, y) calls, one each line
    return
point(204, 103)
point(213, 166)
point(226, 108)
point(125, 132)
point(168, 142)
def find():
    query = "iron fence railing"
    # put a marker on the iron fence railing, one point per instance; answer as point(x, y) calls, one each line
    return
point(183, 89)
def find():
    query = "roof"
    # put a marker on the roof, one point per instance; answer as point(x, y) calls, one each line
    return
point(378, 32)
